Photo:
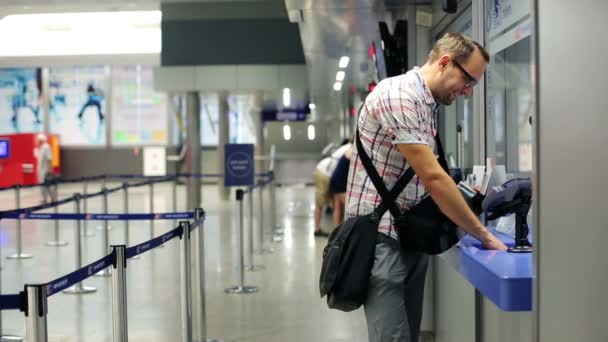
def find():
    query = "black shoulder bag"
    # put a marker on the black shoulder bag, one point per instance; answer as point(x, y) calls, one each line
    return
point(349, 255)
point(423, 228)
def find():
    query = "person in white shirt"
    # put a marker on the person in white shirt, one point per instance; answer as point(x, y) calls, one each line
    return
point(43, 154)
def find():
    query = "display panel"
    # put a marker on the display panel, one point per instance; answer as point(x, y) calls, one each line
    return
point(77, 104)
point(139, 114)
point(20, 100)
point(5, 148)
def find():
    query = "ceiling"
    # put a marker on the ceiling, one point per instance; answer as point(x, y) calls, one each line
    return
point(329, 29)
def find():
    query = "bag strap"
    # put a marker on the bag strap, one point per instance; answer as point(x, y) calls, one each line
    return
point(388, 198)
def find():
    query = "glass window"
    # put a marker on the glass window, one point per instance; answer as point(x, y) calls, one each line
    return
point(241, 119)
point(509, 105)
point(139, 114)
point(242, 123)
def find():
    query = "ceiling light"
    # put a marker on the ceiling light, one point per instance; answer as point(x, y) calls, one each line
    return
point(337, 86)
point(286, 132)
point(311, 132)
point(340, 76)
point(286, 97)
point(343, 62)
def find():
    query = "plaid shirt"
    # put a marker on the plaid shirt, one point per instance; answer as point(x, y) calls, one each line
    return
point(400, 110)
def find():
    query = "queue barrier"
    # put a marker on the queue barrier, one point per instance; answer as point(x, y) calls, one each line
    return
point(33, 300)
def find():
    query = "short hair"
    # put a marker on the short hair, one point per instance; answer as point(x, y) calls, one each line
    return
point(459, 46)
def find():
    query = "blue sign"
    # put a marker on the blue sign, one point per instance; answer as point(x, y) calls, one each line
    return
point(239, 165)
point(4, 149)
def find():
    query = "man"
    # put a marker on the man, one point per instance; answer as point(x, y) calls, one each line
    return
point(397, 126)
point(321, 178)
point(43, 153)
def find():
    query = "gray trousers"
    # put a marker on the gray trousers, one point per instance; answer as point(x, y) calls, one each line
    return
point(393, 307)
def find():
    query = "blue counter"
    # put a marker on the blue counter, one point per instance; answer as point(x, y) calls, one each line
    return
point(504, 278)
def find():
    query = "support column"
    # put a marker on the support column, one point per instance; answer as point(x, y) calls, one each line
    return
point(193, 148)
point(224, 138)
point(258, 100)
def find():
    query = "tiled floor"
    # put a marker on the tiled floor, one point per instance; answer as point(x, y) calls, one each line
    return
point(286, 308)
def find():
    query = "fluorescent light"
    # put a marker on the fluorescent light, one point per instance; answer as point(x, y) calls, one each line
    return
point(340, 76)
point(338, 86)
point(286, 97)
point(311, 132)
point(65, 34)
point(343, 62)
point(286, 132)
point(312, 106)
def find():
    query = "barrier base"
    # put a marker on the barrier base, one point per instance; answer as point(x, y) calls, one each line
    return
point(80, 289)
point(104, 273)
point(20, 256)
point(57, 243)
point(241, 289)
point(264, 251)
point(7, 338)
point(254, 268)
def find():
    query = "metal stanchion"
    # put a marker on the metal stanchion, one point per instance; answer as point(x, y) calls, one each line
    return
point(57, 242)
point(277, 233)
point(151, 209)
point(85, 209)
point(186, 294)
point(78, 288)
point(119, 295)
point(35, 317)
point(261, 249)
point(19, 254)
point(3, 337)
point(105, 241)
point(174, 192)
point(202, 316)
point(241, 288)
point(252, 266)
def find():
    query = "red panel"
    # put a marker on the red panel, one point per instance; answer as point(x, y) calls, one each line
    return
point(21, 166)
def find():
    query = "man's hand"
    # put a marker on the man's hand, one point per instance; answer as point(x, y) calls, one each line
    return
point(490, 241)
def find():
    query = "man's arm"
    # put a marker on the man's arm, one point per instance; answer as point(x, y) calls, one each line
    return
point(445, 193)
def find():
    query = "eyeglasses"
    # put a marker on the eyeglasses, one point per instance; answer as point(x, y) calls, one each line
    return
point(471, 80)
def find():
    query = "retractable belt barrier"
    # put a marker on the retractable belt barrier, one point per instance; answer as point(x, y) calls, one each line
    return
point(100, 217)
point(58, 181)
point(33, 300)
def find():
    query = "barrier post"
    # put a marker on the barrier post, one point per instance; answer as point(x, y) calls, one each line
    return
point(241, 288)
point(252, 266)
point(85, 209)
point(4, 337)
point(199, 216)
point(35, 316)
point(261, 249)
point(57, 242)
point(152, 209)
point(277, 233)
point(105, 241)
point(186, 294)
point(174, 193)
point(78, 288)
point(125, 209)
point(119, 294)
point(19, 254)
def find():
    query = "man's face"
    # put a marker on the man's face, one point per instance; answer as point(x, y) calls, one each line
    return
point(458, 78)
